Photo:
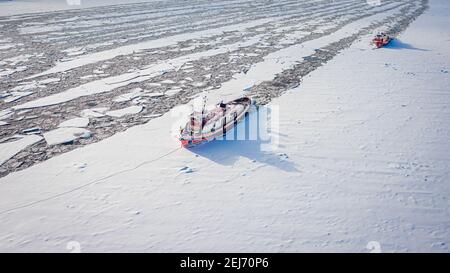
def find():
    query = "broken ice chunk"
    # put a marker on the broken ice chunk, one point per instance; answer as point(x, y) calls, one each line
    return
point(198, 84)
point(94, 112)
point(153, 84)
point(9, 149)
point(87, 77)
point(186, 169)
point(81, 167)
point(4, 95)
point(75, 122)
point(74, 51)
point(283, 156)
point(16, 96)
point(23, 112)
point(125, 111)
point(4, 114)
point(32, 131)
point(49, 80)
point(129, 96)
point(154, 95)
point(65, 135)
point(30, 117)
point(26, 86)
point(168, 82)
point(248, 88)
point(153, 116)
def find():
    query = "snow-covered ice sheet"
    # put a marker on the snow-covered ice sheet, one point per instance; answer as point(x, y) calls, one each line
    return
point(9, 149)
point(65, 135)
point(134, 109)
point(361, 158)
point(75, 122)
point(110, 83)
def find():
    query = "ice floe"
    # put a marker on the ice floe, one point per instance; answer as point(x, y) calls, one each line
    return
point(153, 84)
point(168, 82)
point(173, 91)
point(14, 96)
point(133, 48)
point(32, 131)
point(154, 95)
point(4, 114)
point(49, 80)
point(9, 149)
point(75, 122)
point(110, 83)
point(129, 96)
point(94, 112)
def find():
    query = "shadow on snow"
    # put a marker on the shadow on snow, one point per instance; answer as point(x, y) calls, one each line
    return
point(227, 152)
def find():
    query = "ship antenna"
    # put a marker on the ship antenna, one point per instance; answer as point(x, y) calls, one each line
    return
point(203, 111)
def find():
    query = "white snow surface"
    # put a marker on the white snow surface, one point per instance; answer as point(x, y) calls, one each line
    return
point(363, 156)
